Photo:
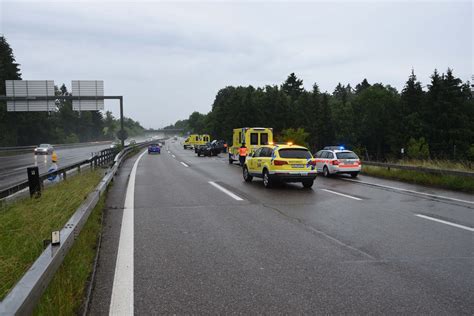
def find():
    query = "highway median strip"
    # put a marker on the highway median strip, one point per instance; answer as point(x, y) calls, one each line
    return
point(27, 222)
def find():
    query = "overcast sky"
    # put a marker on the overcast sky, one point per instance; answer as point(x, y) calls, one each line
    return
point(169, 59)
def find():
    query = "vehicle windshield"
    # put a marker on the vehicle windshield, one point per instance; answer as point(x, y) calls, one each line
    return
point(44, 145)
point(346, 155)
point(295, 153)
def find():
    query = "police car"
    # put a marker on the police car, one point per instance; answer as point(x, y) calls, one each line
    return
point(337, 160)
point(281, 163)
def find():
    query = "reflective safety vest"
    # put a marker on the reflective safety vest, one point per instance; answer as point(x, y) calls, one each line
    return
point(242, 151)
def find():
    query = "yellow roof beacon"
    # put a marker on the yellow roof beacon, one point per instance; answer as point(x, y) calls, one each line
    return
point(252, 137)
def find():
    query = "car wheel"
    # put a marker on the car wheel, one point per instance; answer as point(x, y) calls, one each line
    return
point(326, 172)
point(267, 181)
point(354, 174)
point(246, 174)
point(199, 154)
point(308, 183)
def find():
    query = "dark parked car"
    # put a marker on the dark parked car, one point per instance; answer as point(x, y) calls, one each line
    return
point(213, 148)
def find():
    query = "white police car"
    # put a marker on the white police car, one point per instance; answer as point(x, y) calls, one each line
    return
point(336, 159)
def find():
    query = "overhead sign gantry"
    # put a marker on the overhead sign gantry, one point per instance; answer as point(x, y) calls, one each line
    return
point(38, 95)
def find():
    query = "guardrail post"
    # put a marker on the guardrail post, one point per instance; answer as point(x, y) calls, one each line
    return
point(64, 175)
point(34, 181)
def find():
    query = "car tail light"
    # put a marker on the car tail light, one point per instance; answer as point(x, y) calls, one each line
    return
point(312, 162)
point(335, 162)
point(279, 162)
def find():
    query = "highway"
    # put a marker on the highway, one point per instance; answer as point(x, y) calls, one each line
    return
point(186, 235)
point(13, 167)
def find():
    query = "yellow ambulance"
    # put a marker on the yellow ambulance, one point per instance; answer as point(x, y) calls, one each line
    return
point(191, 141)
point(252, 137)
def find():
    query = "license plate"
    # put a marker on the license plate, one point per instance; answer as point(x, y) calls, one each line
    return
point(297, 166)
point(304, 173)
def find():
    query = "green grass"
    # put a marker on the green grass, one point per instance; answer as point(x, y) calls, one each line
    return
point(457, 183)
point(26, 223)
point(65, 294)
point(437, 164)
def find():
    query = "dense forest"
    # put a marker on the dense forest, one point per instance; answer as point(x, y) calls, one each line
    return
point(61, 126)
point(375, 120)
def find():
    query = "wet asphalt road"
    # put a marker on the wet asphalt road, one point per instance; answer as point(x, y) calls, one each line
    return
point(13, 168)
point(343, 247)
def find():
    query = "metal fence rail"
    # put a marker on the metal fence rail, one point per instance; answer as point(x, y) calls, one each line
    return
point(23, 298)
point(419, 169)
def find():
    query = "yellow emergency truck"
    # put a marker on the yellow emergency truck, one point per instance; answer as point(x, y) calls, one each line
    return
point(195, 140)
point(252, 137)
point(204, 139)
point(191, 141)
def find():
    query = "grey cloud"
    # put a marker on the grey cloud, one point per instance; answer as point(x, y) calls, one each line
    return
point(169, 59)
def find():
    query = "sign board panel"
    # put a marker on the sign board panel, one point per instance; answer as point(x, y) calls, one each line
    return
point(30, 88)
point(87, 88)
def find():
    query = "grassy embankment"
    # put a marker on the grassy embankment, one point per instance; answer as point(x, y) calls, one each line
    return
point(457, 183)
point(26, 223)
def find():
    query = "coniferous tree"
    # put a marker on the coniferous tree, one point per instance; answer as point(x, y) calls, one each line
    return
point(293, 86)
point(411, 101)
point(9, 70)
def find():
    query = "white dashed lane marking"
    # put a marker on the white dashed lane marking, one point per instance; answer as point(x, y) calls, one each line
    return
point(232, 195)
point(445, 222)
point(342, 194)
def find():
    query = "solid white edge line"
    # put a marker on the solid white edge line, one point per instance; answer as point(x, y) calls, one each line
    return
point(184, 164)
point(173, 156)
point(232, 195)
point(410, 191)
point(341, 194)
point(445, 222)
point(121, 301)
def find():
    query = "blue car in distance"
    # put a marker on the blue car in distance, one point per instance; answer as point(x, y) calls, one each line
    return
point(154, 149)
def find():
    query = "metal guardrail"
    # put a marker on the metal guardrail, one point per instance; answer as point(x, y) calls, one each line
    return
point(103, 157)
point(419, 169)
point(22, 299)
point(23, 149)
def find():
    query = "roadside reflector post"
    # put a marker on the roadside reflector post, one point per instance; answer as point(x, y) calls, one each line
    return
point(34, 181)
point(55, 238)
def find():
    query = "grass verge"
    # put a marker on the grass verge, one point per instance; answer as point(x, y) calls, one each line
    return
point(437, 164)
point(465, 184)
point(65, 294)
point(26, 223)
